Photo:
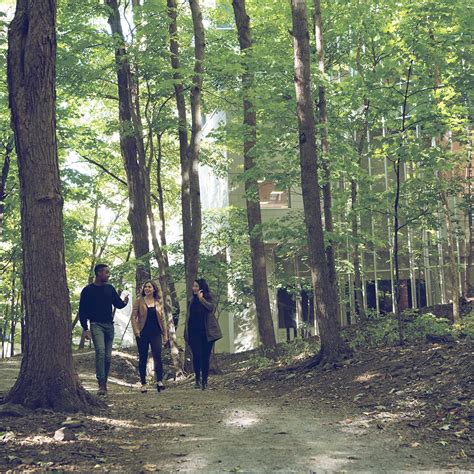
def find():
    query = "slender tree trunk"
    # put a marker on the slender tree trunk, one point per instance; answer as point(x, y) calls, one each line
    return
point(359, 300)
point(163, 277)
point(254, 217)
point(3, 183)
point(396, 206)
point(468, 289)
point(453, 266)
point(332, 345)
point(361, 144)
point(12, 311)
point(323, 121)
point(162, 233)
point(183, 140)
point(47, 377)
point(194, 146)
point(94, 243)
point(131, 144)
point(166, 294)
point(22, 321)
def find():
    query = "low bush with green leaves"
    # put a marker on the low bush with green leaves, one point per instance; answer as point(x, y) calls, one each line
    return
point(465, 327)
point(284, 354)
point(382, 329)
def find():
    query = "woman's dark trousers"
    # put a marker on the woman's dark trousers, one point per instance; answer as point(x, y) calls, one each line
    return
point(143, 343)
point(201, 350)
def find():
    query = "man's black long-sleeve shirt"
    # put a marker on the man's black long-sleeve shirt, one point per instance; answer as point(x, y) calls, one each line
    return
point(96, 303)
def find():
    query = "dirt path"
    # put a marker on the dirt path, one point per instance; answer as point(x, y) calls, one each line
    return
point(218, 430)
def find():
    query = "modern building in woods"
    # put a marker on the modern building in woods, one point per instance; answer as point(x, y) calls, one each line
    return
point(423, 261)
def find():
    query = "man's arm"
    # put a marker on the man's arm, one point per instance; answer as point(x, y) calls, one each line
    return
point(117, 301)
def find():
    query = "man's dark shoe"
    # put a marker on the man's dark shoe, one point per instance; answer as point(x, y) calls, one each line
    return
point(197, 384)
point(102, 389)
point(204, 386)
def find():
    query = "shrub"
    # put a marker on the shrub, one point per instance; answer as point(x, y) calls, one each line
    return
point(465, 327)
point(426, 324)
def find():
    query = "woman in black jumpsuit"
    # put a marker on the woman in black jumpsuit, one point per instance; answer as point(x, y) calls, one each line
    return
point(202, 330)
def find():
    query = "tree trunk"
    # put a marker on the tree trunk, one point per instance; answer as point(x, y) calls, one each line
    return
point(183, 138)
point(360, 144)
point(166, 293)
point(192, 250)
point(131, 144)
point(453, 266)
point(3, 183)
point(359, 300)
point(468, 289)
point(47, 377)
point(22, 321)
point(323, 121)
point(162, 232)
point(332, 345)
point(12, 311)
point(254, 217)
point(396, 206)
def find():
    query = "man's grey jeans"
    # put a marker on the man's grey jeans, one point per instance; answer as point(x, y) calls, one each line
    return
point(102, 337)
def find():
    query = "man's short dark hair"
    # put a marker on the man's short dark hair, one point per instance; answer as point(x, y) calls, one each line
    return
point(99, 267)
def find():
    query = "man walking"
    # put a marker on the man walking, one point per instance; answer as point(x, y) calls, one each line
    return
point(95, 305)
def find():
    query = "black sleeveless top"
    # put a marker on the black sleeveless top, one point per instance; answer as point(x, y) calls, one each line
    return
point(152, 326)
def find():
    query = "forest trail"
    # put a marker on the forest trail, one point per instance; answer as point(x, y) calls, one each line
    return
point(228, 428)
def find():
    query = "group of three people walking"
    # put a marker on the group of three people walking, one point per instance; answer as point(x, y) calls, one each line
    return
point(149, 326)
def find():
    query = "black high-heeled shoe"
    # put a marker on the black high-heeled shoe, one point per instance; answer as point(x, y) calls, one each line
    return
point(160, 387)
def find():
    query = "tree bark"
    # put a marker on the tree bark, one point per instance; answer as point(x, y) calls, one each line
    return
point(332, 345)
point(452, 267)
point(323, 121)
point(131, 144)
point(468, 289)
point(194, 239)
point(3, 183)
point(166, 295)
point(359, 300)
point(396, 206)
point(183, 138)
point(13, 312)
point(360, 144)
point(162, 220)
point(47, 376)
point(254, 217)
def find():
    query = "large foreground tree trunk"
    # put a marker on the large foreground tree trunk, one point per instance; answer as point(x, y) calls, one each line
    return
point(47, 377)
point(254, 217)
point(131, 144)
point(332, 345)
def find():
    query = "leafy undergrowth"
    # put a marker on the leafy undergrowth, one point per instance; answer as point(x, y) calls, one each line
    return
point(422, 391)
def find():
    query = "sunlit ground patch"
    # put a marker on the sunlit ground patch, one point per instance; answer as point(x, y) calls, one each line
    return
point(138, 426)
point(241, 418)
point(367, 377)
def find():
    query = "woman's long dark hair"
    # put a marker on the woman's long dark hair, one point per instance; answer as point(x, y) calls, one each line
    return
point(204, 287)
point(156, 290)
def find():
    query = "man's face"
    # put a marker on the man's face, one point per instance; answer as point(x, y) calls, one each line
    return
point(104, 274)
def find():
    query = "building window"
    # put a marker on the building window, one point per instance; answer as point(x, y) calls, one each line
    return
point(273, 197)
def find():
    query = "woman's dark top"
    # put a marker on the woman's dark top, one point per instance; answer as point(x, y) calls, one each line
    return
point(197, 316)
point(152, 327)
